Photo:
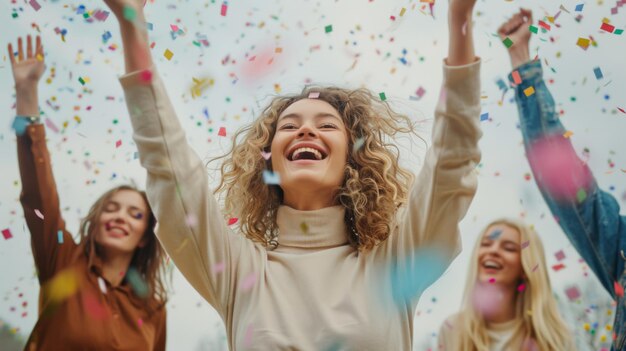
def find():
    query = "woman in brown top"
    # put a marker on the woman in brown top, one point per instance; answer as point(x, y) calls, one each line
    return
point(105, 293)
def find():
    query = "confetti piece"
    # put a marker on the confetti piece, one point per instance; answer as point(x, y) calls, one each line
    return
point(39, 214)
point(507, 42)
point(191, 220)
point(521, 287)
point(529, 91)
point(598, 72)
point(146, 75)
point(222, 132)
point(583, 43)
point(224, 9)
point(517, 79)
point(484, 116)
point(63, 285)
point(558, 267)
point(118, 143)
point(60, 236)
point(621, 110)
point(525, 244)
point(572, 293)
point(383, 97)
point(19, 125)
point(304, 227)
point(544, 25)
point(314, 95)
point(420, 92)
point(140, 287)
point(266, 155)
point(102, 284)
point(81, 80)
point(232, 221)
point(328, 28)
point(568, 134)
point(358, 144)
point(218, 267)
point(533, 29)
point(168, 54)
point(35, 5)
point(619, 290)
point(139, 322)
point(486, 298)
point(558, 168)
point(492, 280)
point(494, 235)
point(607, 27)
point(579, 7)
point(6, 233)
point(129, 13)
point(430, 262)
point(581, 195)
point(248, 282)
point(560, 255)
point(271, 178)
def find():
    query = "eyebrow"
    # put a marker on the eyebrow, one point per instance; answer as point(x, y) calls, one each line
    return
point(317, 116)
point(131, 207)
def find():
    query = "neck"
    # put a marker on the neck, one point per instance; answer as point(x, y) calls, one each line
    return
point(114, 267)
point(506, 309)
point(307, 200)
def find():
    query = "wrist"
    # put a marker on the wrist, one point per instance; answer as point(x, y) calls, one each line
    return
point(519, 57)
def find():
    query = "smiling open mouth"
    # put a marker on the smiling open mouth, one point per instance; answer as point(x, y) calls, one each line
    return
point(306, 153)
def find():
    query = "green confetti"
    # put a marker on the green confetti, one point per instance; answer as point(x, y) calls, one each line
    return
point(81, 80)
point(581, 195)
point(329, 28)
point(137, 282)
point(14, 15)
point(618, 31)
point(508, 42)
point(382, 96)
point(533, 29)
point(129, 13)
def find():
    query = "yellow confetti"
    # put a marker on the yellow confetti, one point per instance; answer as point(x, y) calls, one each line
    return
point(529, 91)
point(568, 134)
point(402, 12)
point(304, 227)
point(277, 88)
point(583, 43)
point(62, 286)
point(168, 54)
point(278, 50)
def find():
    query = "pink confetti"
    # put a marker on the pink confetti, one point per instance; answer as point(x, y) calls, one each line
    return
point(521, 287)
point(39, 214)
point(34, 4)
point(314, 95)
point(248, 282)
point(486, 298)
point(560, 255)
point(219, 267)
point(6, 233)
point(517, 79)
point(572, 293)
point(266, 155)
point(222, 132)
point(118, 143)
point(619, 290)
point(232, 221)
point(224, 9)
point(51, 125)
point(525, 244)
point(146, 76)
point(558, 168)
point(139, 322)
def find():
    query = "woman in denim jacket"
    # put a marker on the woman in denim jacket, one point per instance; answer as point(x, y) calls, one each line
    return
point(589, 216)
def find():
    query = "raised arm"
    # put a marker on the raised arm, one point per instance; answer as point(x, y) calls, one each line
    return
point(191, 227)
point(427, 237)
point(39, 196)
point(589, 216)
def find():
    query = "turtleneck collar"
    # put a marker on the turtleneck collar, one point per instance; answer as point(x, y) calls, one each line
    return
point(321, 228)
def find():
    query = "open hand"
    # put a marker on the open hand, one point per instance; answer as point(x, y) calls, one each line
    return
point(27, 70)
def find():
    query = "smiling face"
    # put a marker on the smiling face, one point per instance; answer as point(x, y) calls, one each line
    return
point(310, 150)
point(499, 256)
point(122, 222)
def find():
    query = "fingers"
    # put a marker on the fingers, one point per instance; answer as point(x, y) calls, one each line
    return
point(20, 49)
point(29, 47)
point(11, 57)
point(39, 49)
point(526, 13)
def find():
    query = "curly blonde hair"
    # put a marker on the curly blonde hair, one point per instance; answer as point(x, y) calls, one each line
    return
point(374, 184)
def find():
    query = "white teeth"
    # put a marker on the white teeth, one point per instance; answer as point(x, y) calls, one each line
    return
point(318, 155)
point(491, 264)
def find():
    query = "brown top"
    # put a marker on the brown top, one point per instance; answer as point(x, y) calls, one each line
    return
point(79, 309)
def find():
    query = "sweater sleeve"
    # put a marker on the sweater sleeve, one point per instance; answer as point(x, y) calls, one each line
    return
point(426, 236)
point(191, 227)
point(52, 246)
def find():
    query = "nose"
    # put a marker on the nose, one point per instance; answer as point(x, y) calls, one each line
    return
point(306, 130)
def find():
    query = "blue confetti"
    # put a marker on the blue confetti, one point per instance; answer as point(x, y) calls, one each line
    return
point(271, 178)
point(60, 236)
point(19, 125)
point(579, 7)
point(495, 234)
point(484, 116)
point(598, 72)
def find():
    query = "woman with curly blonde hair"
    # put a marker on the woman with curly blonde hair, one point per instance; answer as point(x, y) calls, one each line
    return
point(326, 230)
point(508, 302)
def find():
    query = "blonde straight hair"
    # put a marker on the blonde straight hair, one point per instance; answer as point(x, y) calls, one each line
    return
point(539, 326)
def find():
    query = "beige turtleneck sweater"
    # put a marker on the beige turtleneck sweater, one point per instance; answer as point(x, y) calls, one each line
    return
point(313, 292)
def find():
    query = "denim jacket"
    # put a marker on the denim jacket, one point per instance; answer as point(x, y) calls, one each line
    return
point(593, 225)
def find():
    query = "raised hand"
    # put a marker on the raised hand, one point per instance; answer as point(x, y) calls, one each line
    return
point(517, 30)
point(27, 70)
point(118, 6)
